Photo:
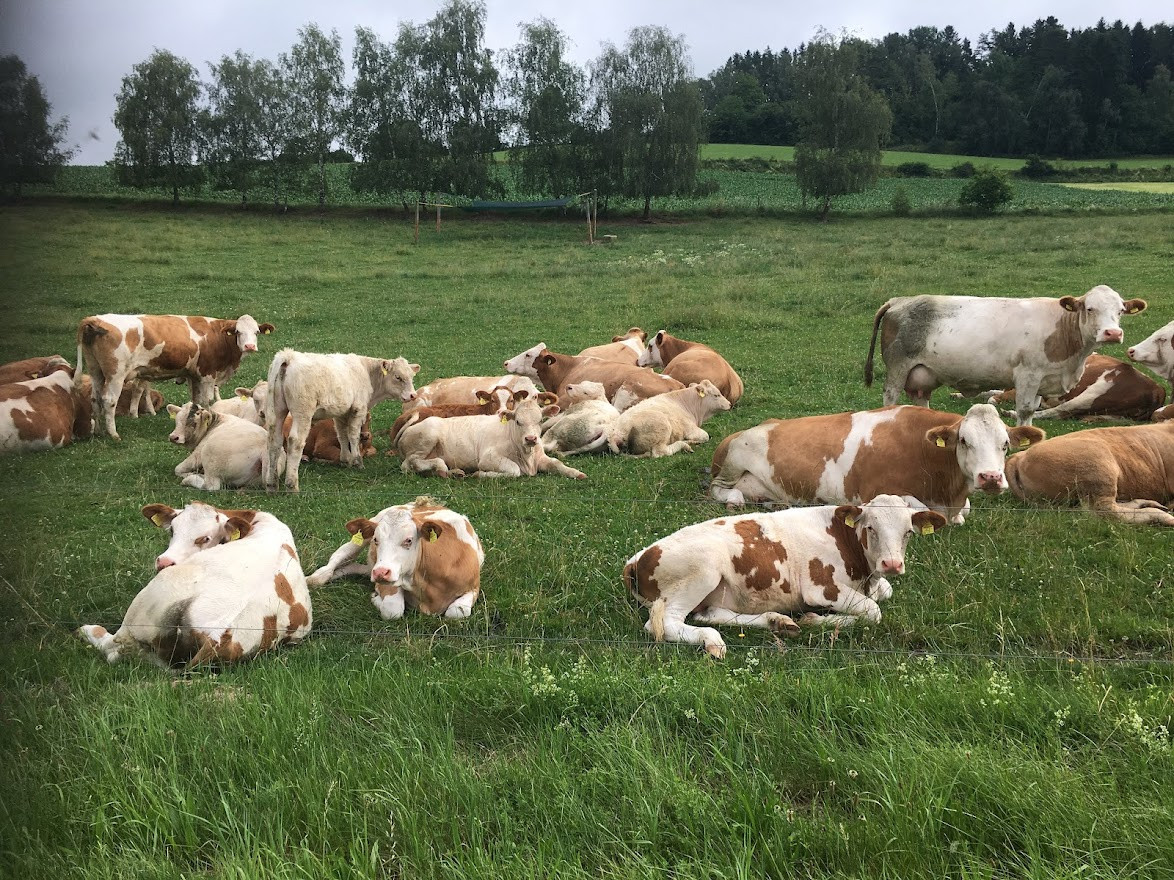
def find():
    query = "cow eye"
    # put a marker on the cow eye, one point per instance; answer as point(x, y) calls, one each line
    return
point(407, 542)
point(201, 541)
point(962, 441)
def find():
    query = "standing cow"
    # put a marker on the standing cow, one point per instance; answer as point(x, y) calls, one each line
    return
point(827, 563)
point(971, 343)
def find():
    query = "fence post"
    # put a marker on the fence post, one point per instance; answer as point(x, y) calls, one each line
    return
point(417, 238)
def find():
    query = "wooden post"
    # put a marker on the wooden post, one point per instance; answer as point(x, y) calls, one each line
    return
point(590, 237)
point(417, 239)
point(438, 218)
point(594, 212)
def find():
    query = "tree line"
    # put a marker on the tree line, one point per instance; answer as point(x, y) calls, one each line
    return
point(1043, 89)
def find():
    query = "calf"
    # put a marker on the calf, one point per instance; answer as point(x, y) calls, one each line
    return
point(503, 445)
point(226, 452)
point(245, 403)
point(583, 427)
point(1156, 351)
point(322, 443)
point(422, 552)
point(691, 362)
point(340, 386)
point(668, 423)
point(45, 413)
point(1108, 388)
point(33, 368)
point(488, 403)
point(829, 564)
point(933, 458)
point(466, 390)
point(226, 603)
point(136, 395)
point(193, 529)
point(203, 351)
point(555, 371)
point(622, 349)
point(970, 343)
point(1098, 466)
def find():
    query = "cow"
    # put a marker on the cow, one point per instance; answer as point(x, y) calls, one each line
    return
point(933, 458)
point(668, 423)
point(1156, 351)
point(488, 403)
point(193, 529)
point(622, 349)
point(828, 566)
point(226, 603)
point(465, 390)
point(420, 552)
point(245, 403)
point(203, 351)
point(226, 452)
point(503, 445)
point(340, 386)
point(45, 413)
point(136, 395)
point(33, 368)
point(322, 443)
point(555, 371)
point(1099, 466)
point(1038, 346)
point(691, 362)
point(584, 425)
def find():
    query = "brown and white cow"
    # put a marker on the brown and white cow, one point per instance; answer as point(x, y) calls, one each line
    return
point(503, 445)
point(1038, 346)
point(826, 565)
point(488, 403)
point(225, 603)
point(668, 423)
point(33, 368)
point(343, 387)
point(1156, 351)
point(624, 349)
point(464, 390)
point(1100, 466)
point(691, 362)
point(555, 371)
point(933, 458)
point(191, 530)
point(1108, 389)
point(420, 552)
point(45, 413)
point(203, 351)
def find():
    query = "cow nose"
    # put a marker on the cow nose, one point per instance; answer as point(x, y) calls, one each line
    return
point(411, 396)
point(163, 562)
point(992, 481)
point(381, 573)
point(531, 440)
point(1114, 335)
point(1130, 353)
point(173, 438)
point(892, 566)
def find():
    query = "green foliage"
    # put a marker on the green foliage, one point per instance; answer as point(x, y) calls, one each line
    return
point(1037, 168)
point(233, 124)
point(987, 191)
point(900, 203)
point(158, 119)
point(914, 169)
point(313, 72)
point(30, 145)
point(963, 170)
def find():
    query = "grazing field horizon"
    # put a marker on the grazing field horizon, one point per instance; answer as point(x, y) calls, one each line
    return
point(1009, 716)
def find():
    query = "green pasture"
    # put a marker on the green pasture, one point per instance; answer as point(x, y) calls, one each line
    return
point(1008, 718)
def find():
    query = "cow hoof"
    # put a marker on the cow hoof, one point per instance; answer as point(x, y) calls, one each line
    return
point(456, 473)
point(781, 623)
point(716, 651)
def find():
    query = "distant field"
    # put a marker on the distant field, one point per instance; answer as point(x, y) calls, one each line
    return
point(1127, 186)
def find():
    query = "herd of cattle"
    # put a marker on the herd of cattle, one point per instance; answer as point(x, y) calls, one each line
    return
point(231, 583)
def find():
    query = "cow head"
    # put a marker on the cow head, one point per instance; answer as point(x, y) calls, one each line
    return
point(192, 422)
point(980, 443)
point(523, 364)
point(526, 418)
point(1157, 352)
point(398, 378)
point(258, 394)
point(1099, 313)
point(196, 528)
point(246, 330)
point(712, 400)
point(587, 390)
point(633, 333)
point(651, 356)
point(884, 526)
point(394, 543)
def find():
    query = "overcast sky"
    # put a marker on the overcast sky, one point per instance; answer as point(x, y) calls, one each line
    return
point(81, 49)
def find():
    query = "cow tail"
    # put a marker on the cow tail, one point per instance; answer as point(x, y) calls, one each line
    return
point(276, 402)
point(876, 322)
point(617, 438)
point(87, 332)
point(656, 619)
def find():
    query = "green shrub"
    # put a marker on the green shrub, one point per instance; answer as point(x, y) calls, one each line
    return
point(986, 192)
point(914, 169)
point(900, 204)
point(963, 170)
point(1035, 168)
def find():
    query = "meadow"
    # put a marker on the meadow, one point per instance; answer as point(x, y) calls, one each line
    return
point(1009, 717)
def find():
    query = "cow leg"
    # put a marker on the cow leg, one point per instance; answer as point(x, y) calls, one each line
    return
point(207, 482)
point(894, 383)
point(462, 606)
point(102, 639)
point(1139, 511)
point(419, 464)
point(295, 444)
point(493, 465)
point(546, 464)
point(274, 461)
point(666, 449)
point(341, 562)
point(1027, 399)
point(772, 620)
point(847, 606)
point(696, 436)
point(109, 406)
point(352, 454)
point(204, 391)
point(390, 607)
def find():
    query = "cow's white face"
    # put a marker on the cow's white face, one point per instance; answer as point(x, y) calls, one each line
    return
point(981, 442)
point(587, 390)
point(651, 356)
point(1157, 352)
point(398, 376)
point(526, 419)
point(196, 528)
point(393, 545)
point(1100, 312)
point(712, 399)
point(247, 331)
point(523, 364)
point(884, 525)
point(191, 423)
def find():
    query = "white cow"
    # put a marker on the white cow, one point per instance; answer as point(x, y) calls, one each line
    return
point(227, 452)
point(245, 403)
point(1156, 351)
point(668, 423)
point(584, 425)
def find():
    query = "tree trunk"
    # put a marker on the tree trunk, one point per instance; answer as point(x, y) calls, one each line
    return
point(647, 218)
point(321, 181)
point(827, 206)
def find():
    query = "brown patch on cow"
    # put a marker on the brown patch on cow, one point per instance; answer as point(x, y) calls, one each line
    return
point(719, 522)
point(824, 576)
point(298, 615)
point(48, 413)
point(641, 580)
point(798, 451)
point(283, 588)
point(1065, 341)
point(385, 590)
point(170, 332)
point(851, 548)
point(219, 352)
point(229, 649)
point(761, 561)
point(268, 632)
point(290, 550)
point(99, 632)
point(133, 338)
point(446, 568)
point(888, 334)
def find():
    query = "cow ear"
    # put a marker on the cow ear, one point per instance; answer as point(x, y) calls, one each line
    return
point(943, 436)
point(926, 522)
point(547, 359)
point(1025, 435)
point(160, 514)
point(546, 398)
point(484, 398)
point(360, 526)
point(230, 330)
point(1133, 306)
point(643, 336)
point(1070, 304)
point(520, 395)
point(848, 514)
point(267, 328)
point(430, 530)
point(659, 337)
point(549, 411)
point(618, 338)
point(415, 368)
point(236, 527)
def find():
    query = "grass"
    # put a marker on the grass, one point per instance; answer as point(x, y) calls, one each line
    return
point(1009, 716)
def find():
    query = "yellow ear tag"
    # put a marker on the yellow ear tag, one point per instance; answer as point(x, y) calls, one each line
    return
point(850, 522)
point(700, 392)
point(236, 533)
point(266, 332)
point(172, 415)
point(1024, 443)
point(431, 537)
point(357, 538)
point(504, 419)
point(481, 401)
point(927, 529)
point(243, 396)
point(383, 370)
point(157, 519)
point(941, 443)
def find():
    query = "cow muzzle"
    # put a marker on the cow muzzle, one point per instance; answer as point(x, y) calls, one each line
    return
point(176, 439)
point(530, 440)
point(892, 566)
point(163, 562)
point(382, 574)
point(991, 482)
point(1112, 335)
point(250, 346)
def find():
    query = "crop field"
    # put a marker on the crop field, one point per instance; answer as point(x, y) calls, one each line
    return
point(1009, 717)
point(1130, 186)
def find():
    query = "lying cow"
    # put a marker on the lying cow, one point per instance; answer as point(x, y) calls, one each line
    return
point(691, 362)
point(1037, 345)
point(226, 452)
point(45, 413)
point(235, 598)
point(136, 395)
point(203, 351)
point(584, 425)
point(503, 445)
point(555, 371)
point(488, 403)
point(827, 564)
point(668, 423)
point(322, 443)
point(421, 552)
point(340, 386)
point(466, 390)
point(624, 349)
point(1156, 351)
point(33, 368)
point(933, 458)
point(1099, 466)
point(245, 403)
